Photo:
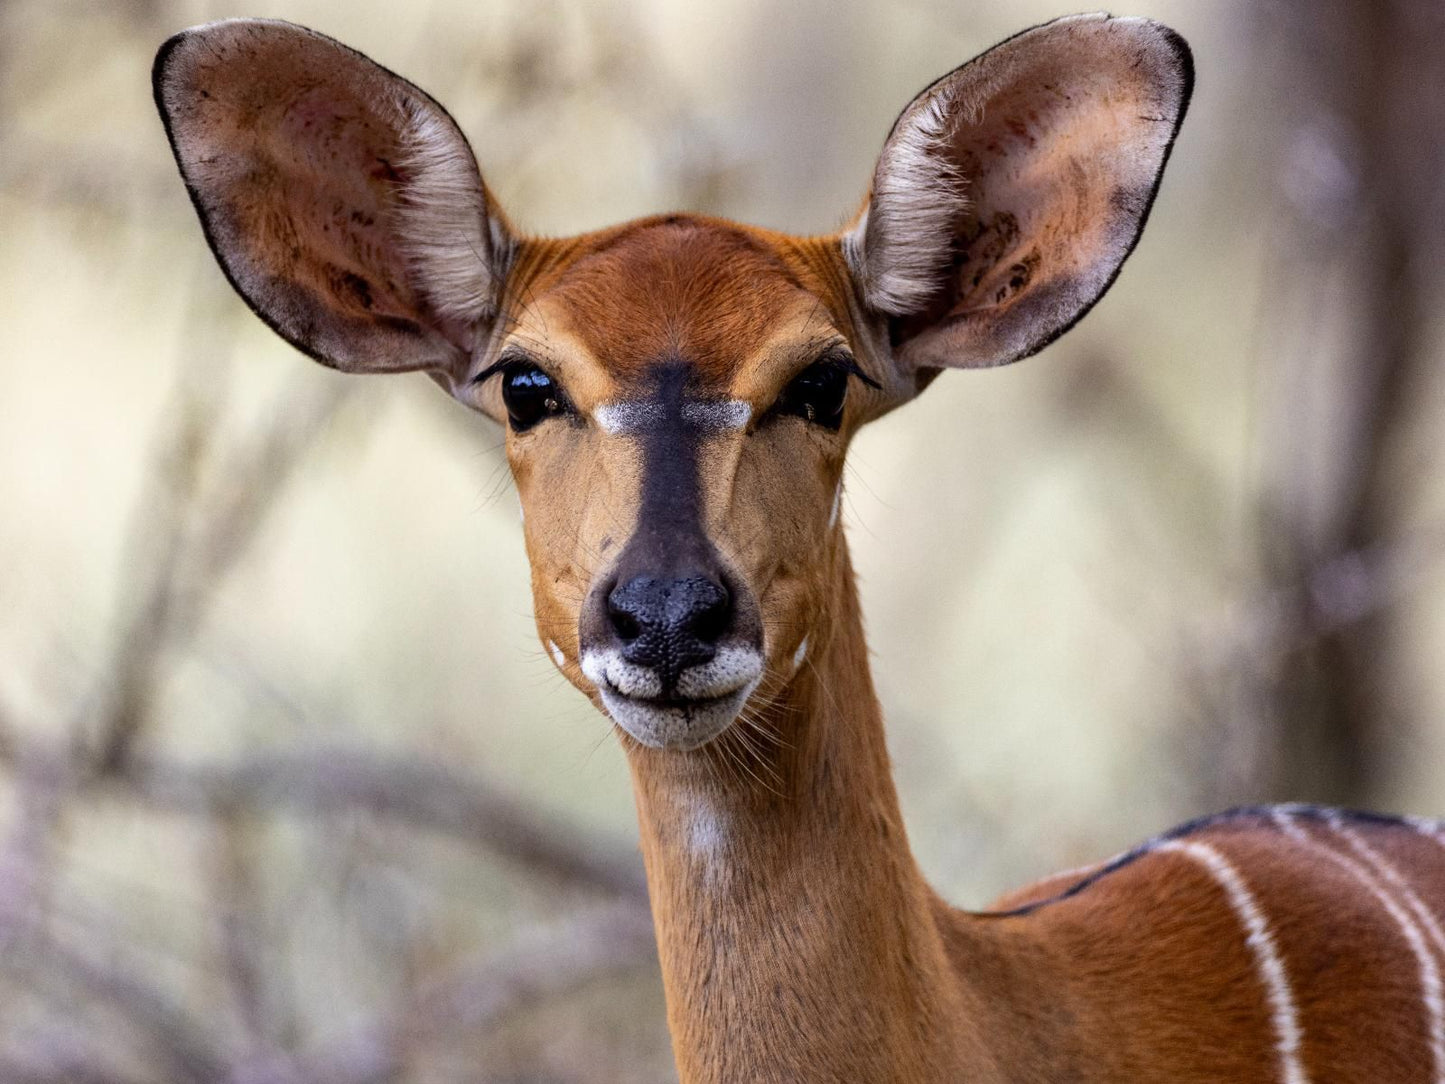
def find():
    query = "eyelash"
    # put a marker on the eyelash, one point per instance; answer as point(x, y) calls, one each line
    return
point(819, 393)
point(509, 358)
point(528, 402)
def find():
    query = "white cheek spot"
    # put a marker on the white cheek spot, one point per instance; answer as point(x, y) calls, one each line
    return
point(556, 653)
point(522, 515)
point(837, 506)
point(800, 654)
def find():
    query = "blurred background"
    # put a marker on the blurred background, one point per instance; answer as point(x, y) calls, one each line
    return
point(288, 790)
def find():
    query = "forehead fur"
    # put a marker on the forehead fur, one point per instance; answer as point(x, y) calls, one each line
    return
point(679, 287)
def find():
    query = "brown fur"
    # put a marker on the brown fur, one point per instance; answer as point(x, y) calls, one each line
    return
point(798, 940)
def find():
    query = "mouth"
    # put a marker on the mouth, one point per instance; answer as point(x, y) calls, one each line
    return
point(711, 696)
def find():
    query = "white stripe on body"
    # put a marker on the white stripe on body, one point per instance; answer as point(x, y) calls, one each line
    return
point(1285, 1014)
point(1429, 829)
point(1430, 980)
point(1386, 869)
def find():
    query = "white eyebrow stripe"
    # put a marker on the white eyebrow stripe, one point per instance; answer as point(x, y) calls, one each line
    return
point(718, 413)
point(636, 415)
point(627, 415)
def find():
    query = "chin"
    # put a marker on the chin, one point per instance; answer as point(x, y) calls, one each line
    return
point(675, 724)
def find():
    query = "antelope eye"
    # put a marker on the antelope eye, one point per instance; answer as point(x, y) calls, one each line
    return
point(817, 394)
point(530, 396)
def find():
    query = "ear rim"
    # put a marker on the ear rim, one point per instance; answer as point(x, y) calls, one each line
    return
point(854, 239)
point(497, 259)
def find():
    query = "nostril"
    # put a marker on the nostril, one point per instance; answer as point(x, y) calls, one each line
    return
point(711, 611)
point(624, 624)
point(670, 624)
point(626, 606)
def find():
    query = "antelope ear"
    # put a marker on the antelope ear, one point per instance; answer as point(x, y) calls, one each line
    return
point(1010, 192)
point(342, 202)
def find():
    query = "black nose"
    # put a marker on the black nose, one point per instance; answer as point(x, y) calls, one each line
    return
point(670, 624)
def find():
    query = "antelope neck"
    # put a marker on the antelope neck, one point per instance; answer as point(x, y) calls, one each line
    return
point(794, 929)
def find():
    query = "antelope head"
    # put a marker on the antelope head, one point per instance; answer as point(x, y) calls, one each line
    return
point(678, 392)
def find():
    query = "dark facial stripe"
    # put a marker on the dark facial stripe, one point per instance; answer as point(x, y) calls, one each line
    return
point(669, 516)
point(669, 426)
point(669, 563)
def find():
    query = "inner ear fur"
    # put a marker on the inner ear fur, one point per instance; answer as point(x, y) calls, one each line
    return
point(1010, 192)
point(342, 202)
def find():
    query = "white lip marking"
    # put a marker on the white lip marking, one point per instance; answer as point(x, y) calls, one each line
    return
point(800, 654)
point(675, 726)
point(712, 695)
point(557, 656)
point(636, 415)
point(837, 506)
point(608, 669)
point(728, 670)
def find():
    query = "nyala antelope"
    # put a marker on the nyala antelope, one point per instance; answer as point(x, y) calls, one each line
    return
point(678, 394)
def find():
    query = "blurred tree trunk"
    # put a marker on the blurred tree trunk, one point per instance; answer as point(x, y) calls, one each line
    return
point(1361, 179)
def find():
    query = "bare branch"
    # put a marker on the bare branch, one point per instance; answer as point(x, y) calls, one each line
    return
point(195, 560)
point(179, 1040)
point(331, 780)
point(543, 964)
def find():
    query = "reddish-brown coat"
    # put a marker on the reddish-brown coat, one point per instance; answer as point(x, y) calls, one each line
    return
point(798, 939)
